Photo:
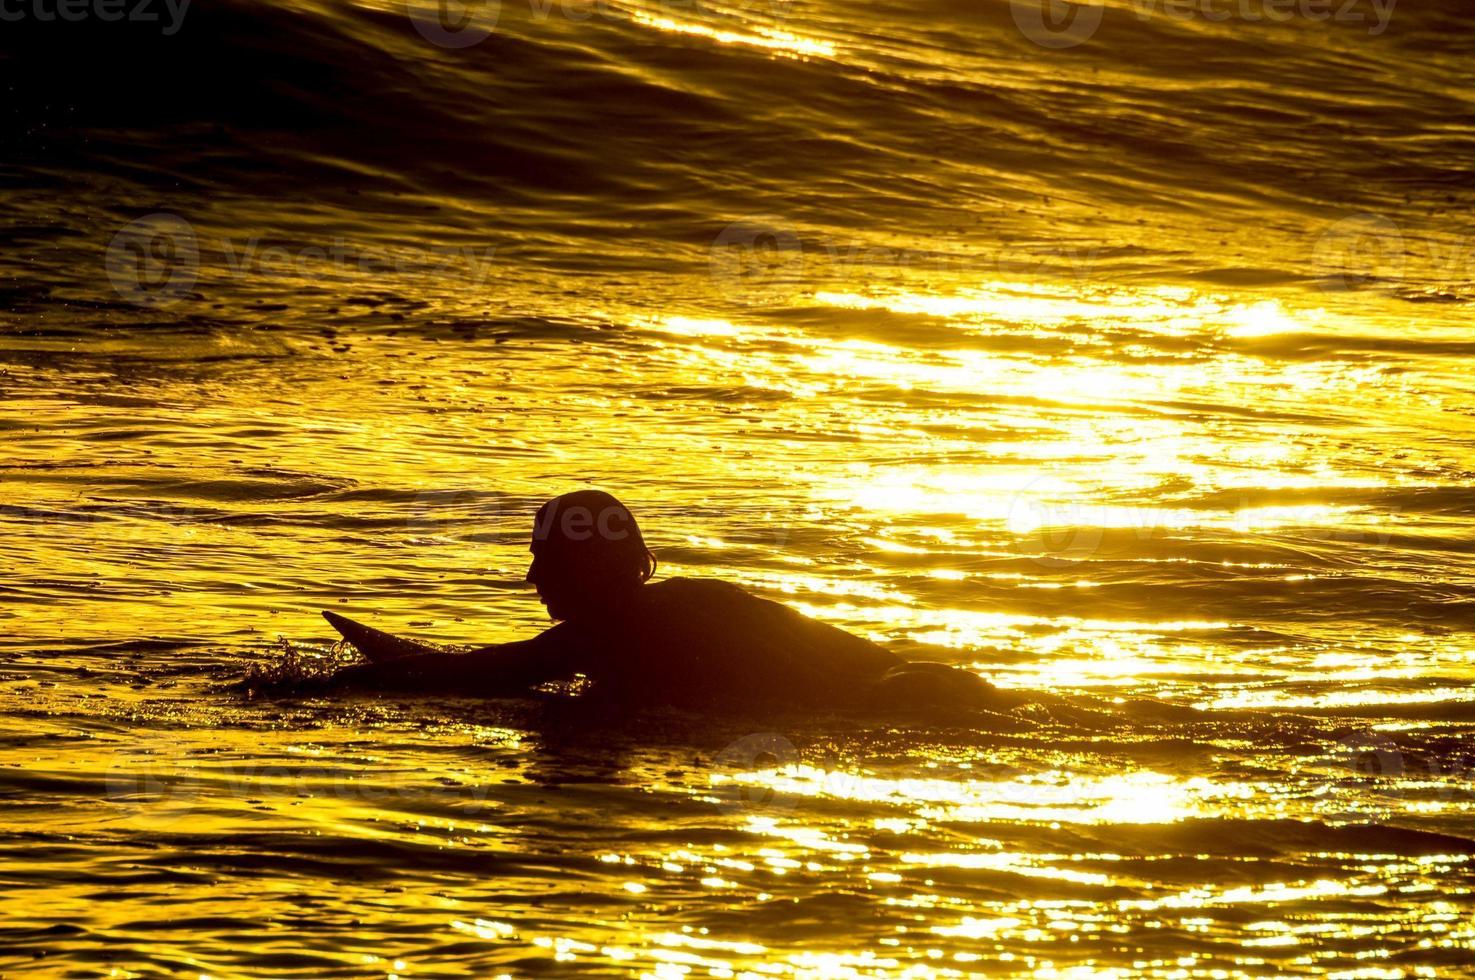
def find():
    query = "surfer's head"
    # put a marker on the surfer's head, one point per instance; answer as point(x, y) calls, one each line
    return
point(588, 555)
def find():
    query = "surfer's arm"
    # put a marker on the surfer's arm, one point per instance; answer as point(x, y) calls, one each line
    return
point(506, 668)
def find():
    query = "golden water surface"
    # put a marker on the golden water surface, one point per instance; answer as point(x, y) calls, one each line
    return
point(1198, 486)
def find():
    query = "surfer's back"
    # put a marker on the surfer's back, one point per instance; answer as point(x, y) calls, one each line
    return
point(694, 641)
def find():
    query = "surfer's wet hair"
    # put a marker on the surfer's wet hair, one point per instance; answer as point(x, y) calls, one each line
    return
point(594, 521)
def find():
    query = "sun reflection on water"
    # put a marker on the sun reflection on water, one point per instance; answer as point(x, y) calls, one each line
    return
point(1126, 500)
point(774, 40)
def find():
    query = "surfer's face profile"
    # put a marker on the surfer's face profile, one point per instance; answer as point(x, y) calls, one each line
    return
point(588, 555)
point(558, 582)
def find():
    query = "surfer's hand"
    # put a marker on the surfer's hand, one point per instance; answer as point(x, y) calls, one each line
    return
point(507, 669)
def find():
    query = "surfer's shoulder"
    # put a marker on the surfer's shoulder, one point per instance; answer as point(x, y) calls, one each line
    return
point(708, 596)
point(681, 587)
point(708, 603)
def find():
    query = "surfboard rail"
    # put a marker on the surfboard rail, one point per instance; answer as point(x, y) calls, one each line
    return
point(377, 645)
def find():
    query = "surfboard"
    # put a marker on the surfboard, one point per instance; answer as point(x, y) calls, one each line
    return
point(376, 644)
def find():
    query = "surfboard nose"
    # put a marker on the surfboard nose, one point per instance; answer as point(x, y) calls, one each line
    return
point(336, 620)
point(352, 631)
point(376, 644)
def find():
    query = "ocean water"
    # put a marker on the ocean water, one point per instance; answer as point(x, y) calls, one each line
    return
point(1123, 359)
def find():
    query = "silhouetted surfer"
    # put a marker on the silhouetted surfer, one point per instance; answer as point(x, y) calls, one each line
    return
point(682, 641)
